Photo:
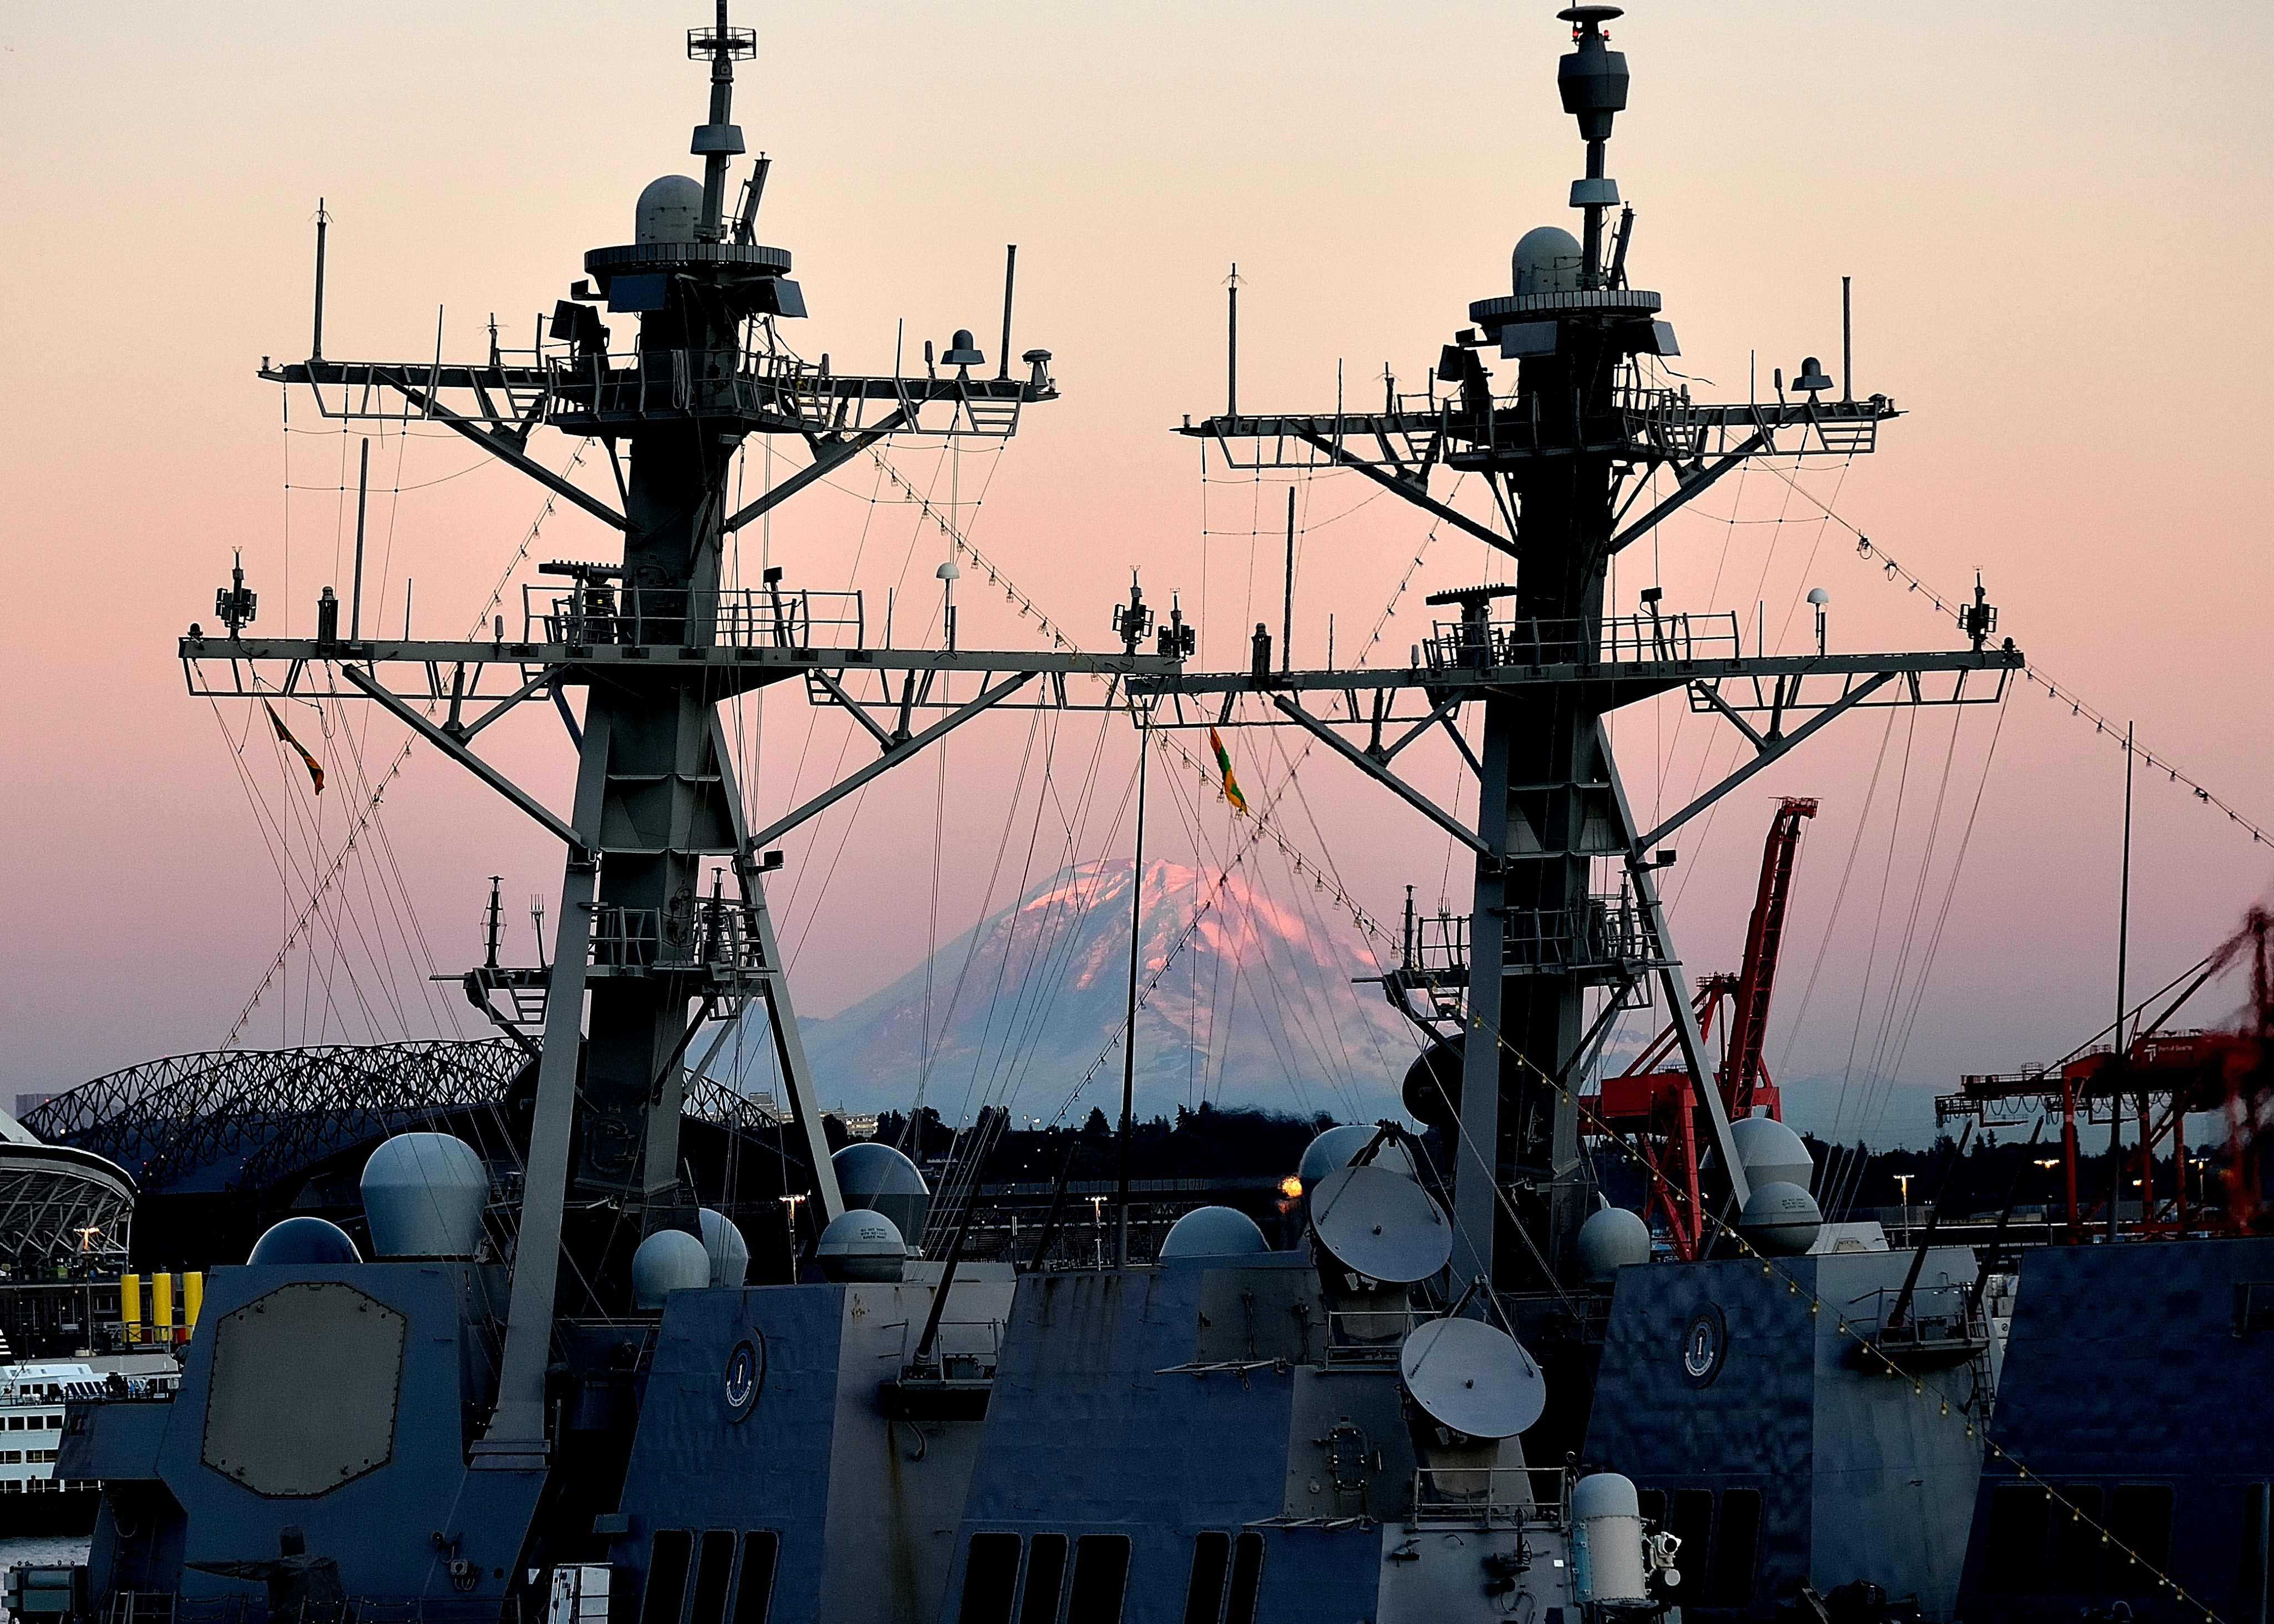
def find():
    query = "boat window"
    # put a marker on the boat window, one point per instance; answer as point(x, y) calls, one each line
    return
point(1211, 1563)
point(2076, 1541)
point(1737, 1550)
point(1652, 1504)
point(1246, 1574)
point(1101, 1568)
point(666, 1575)
point(2019, 1521)
point(990, 1578)
point(713, 1567)
point(2139, 1517)
point(1692, 1523)
point(1046, 1562)
point(754, 1593)
point(2257, 1537)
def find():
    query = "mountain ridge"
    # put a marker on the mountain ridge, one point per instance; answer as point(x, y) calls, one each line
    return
point(1255, 1009)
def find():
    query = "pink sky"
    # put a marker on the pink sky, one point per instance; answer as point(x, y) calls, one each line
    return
point(2056, 219)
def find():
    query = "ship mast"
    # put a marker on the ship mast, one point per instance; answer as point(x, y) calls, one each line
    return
point(1566, 925)
point(647, 948)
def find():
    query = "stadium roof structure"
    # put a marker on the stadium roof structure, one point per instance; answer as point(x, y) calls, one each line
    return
point(234, 1120)
point(59, 1206)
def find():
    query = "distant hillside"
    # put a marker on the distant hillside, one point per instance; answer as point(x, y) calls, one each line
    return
point(1258, 1010)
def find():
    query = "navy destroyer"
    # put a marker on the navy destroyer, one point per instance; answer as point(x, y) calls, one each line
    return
point(576, 1403)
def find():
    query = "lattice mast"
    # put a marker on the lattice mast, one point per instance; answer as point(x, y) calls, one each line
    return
point(649, 943)
point(1567, 454)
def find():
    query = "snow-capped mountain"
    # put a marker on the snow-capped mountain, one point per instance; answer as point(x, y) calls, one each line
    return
point(1255, 1008)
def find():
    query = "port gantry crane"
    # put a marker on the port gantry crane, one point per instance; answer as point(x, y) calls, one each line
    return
point(1567, 452)
point(2160, 1076)
point(1654, 1107)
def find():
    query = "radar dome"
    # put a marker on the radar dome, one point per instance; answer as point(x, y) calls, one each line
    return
point(1771, 1153)
point(1433, 1085)
point(669, 210)
point(423, 1195)
point(1546, 260)
point(1213, 1232)
point(878, 1177)
point(1333, 1150)
point(861, 1245)
point(723, 1245)
point(668, 1261)
point(1606, 1508)
point(1782, 1221)
point(1609, 1241)
point(304, 1240)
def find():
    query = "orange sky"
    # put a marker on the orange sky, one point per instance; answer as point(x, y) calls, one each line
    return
point(2057, 219)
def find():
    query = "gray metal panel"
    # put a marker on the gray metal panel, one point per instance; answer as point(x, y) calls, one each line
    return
point(304, 1384)
point(2124, 1367)
point(378, 1525)
point(1894, 1478)
point(1094, 1430)
point(1369, 1402)
point(114, 1442)
point(693, 1467)
point(1858, 1477)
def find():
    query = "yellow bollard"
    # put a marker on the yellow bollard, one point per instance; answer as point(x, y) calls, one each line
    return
point(162, 1307)
point(193, 1298)
point(130, 1306)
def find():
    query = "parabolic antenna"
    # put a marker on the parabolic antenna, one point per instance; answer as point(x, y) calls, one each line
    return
point(1380, 1224)
point(1473, 1377)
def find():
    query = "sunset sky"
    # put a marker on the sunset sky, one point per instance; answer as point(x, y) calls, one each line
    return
point(2058, 222)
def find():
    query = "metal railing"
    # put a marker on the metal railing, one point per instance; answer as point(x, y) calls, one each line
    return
point(1496, 1496)
point(1593, 933)
point(738, 618)
point(1633, 639)
point(713, 933)
point(1935, 1325)
point(650, 383)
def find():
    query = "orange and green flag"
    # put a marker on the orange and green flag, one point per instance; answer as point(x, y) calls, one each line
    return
point(1224, 765)
point(284, 734)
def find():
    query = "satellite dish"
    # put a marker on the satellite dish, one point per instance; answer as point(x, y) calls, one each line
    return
point(1380, 1224)
point(1473, 1378)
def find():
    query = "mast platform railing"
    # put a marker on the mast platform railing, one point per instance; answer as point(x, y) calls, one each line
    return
point(779, 392)
point(586, 390)
point(1413, 433)
point(1608, 933)
point(717, 938)
point(1625, 640)
point(733, 618)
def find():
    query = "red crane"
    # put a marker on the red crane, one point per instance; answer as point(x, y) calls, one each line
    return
point(1654, 1107)
point(2160, 1079)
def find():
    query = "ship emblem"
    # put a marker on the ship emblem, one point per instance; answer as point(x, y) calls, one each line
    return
point(1704, 1343)
point(745, 1374)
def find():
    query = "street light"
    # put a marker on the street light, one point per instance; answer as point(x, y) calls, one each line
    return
point(1904, 1179)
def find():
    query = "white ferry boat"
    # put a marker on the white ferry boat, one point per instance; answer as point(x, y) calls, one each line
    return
point(33, 1396)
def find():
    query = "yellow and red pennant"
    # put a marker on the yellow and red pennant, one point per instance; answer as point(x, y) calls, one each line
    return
point(1224, 765)
point(284, 734)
